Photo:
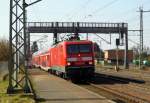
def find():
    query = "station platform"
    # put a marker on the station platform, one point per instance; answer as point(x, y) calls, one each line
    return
point(52, 89)
point(132, 73)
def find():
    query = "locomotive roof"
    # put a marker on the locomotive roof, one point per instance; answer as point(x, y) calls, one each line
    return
point(73, 41)
point(77, 41)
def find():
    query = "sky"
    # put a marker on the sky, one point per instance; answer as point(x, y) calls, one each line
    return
point(84, 11)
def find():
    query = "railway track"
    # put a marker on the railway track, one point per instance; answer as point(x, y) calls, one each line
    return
point(142, 74)
point(121, 90)
point(133, 82)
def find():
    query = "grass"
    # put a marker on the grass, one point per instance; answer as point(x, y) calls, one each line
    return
point(15, 98)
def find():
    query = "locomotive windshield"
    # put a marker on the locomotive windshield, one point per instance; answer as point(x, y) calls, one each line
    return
point(79, 48)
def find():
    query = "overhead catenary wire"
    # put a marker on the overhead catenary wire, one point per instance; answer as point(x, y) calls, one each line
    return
point(105, 6)
point(123, 14)
point(100, 9)
point(133, 42)
point(35, 13)
point(131, 10)
point(76, 10)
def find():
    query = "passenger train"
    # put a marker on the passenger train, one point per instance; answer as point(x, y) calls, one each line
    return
point(69, 59)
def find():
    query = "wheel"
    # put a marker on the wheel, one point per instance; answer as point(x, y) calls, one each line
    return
point(61, 74)
point(65, 76)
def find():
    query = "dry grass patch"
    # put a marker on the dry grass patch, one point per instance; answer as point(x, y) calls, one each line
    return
point(15, 98)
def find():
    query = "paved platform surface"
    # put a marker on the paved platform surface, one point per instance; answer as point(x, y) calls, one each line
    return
point(52, 89)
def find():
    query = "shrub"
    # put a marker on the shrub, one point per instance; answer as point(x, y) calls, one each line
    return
point(4, 50)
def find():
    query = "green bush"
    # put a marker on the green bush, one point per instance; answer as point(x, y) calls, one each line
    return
point(136, 62)
point(146, 63)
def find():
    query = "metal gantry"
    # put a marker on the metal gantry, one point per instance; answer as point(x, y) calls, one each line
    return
point(82, 27)
point(17, 65)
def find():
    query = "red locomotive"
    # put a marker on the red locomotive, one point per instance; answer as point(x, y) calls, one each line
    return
point(68, 59)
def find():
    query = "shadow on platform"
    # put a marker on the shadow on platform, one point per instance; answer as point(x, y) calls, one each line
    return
point(109, 79)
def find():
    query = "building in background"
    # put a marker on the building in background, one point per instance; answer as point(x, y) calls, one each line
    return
point(110, 56)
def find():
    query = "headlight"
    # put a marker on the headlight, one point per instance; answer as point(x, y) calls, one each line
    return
point(90, 63)
point(68, 63)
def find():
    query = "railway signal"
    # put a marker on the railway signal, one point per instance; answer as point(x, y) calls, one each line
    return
point(117, 61)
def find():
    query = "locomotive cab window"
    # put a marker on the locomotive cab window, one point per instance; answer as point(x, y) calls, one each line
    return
point(85, 48)
point(71, 49)
point(79, 48)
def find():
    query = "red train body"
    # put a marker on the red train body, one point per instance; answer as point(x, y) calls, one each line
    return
point(71, 59)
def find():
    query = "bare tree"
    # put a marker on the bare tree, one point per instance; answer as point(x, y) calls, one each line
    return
point(145, 53)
